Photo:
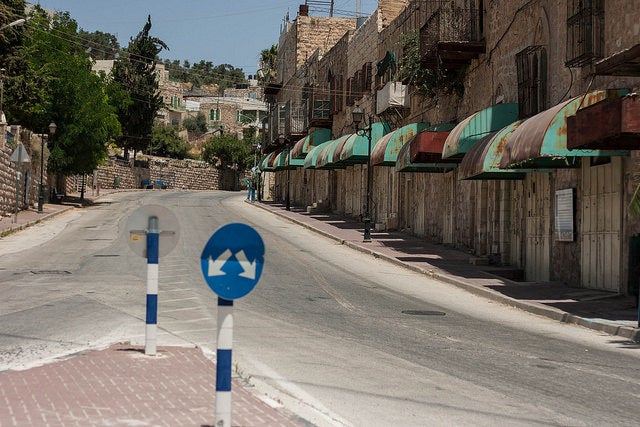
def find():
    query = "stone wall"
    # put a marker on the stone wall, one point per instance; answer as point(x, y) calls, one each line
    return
point(27, 196)
point(177, 174)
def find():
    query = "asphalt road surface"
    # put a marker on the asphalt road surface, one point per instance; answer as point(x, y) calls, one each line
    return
point(339, 337)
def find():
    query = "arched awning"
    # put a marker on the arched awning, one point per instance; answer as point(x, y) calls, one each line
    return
point(356, 149)
point(477, 126)
point(272, 161)
point(266, 164)
point(482, 161)
point(386, 150)
point(329, 157)
point(304, 145)
point(283, 161)
point(426, 146)
point(311, 158)
point(541, 141)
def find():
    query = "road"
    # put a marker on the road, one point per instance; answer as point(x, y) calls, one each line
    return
point(337, 336)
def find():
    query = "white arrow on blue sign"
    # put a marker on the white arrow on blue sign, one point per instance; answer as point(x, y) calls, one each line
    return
point(232, 260)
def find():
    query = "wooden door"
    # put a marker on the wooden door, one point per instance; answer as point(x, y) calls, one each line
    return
point(601, 231)
point(538, 227)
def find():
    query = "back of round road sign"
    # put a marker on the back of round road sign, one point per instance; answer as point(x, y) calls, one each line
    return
point(232, 260)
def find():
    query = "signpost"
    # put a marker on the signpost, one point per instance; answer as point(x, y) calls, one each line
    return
point(147, 239)
point(231, 262)
point(19, 156)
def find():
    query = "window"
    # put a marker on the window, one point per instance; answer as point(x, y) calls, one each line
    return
point(336, 87)
point(253, 95)
point(532, 80)
point(585, 31)
point(214, 115)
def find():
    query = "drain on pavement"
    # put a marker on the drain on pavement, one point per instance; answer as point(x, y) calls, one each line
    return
point(50, 272)
point(424, 313)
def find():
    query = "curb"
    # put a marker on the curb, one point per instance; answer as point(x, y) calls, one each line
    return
point(628, 332)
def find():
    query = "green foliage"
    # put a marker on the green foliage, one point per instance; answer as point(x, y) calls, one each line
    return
point(135, 72)
point(197, 125)
point(226, 151)
point(268, 64)
point(165, 142)
point(426, 81)
point(99, 45)
point(60, 87)
point(205, 73)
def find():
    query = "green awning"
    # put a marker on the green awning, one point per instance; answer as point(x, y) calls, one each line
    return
point(283, 162)
point(267, 161)
point(329, 158)
point(386, 150)
point(311, 159)
point(356, 149)
point(482, 161)
point(541, 141)
point(315, 138)
point(477, 126)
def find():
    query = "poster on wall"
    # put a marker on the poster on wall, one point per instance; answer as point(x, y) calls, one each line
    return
point(564, 215)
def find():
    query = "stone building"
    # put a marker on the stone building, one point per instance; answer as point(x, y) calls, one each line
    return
point(506, 128)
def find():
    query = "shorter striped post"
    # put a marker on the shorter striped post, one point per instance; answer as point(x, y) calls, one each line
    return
point(151, 330)
point(223, 363)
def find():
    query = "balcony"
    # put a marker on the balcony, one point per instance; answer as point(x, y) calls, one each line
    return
point(319, 109)
point(451, 37)
point(296, 123)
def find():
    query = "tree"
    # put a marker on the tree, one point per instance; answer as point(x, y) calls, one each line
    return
point(268, 64)
point(226, 151)
point(66, 91)
point(135, 71)
point(165, 142)
point(99, 45)
point(197, 124)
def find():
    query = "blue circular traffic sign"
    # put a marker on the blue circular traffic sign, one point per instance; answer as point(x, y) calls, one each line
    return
point(232, 260)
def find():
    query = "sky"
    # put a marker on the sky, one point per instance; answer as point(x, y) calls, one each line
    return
point(221, 31)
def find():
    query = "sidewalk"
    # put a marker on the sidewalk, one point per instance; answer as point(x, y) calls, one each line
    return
point(602, 311)
point(121, 386)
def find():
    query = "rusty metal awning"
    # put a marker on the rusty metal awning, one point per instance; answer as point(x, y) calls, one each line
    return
point(386, 150)
point(355, 150)
point(482, 161)
point(284, 161)
point(477, 126)
point(541, 141)
point(611, 124)
point(423, 153)
point(268, 161)
point(427, 145)
point(624, 63)
point(311, 160)
point(304, 145)
point(329, 157)
point(263, 164)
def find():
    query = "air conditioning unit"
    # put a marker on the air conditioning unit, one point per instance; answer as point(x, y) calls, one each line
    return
point(392, 95)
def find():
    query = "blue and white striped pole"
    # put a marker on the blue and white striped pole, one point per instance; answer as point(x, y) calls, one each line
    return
point(223, 363)
point(153, 243)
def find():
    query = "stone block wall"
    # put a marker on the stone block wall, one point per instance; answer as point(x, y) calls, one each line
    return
point(27, 197)
point(176, 174)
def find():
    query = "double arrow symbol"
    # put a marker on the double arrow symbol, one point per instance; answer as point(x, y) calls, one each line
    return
point(215, 266)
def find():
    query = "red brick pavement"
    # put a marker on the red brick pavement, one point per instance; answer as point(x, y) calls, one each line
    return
point(121, 386)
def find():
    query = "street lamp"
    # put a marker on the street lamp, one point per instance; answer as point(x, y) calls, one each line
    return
point(358, 116)
point(52, 130)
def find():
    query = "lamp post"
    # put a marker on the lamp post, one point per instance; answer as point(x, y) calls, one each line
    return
point(52, 130)
point(358, 116)
point(288, 197)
